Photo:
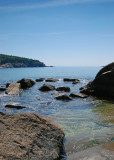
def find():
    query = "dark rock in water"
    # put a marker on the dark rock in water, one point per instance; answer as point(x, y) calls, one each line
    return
point(65, 89)
point(1, 113)
point(75, 82)
point(13, 88)
point(14, 106)
point(56, 93)
point(103, 84)
point(40, 80)
point(75, 95)
point(28, 136)
point(2, 89)
point(51, 80)
point(46, 87)
point(71, 80)
point(26, 83)
point(63, 96)
point(7, 85)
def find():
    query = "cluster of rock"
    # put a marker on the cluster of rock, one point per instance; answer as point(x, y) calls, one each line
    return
point(14, 88)
point(31, 136)
point(60, 92)
point(27, 136)
point(103, 84)
point(74, 81)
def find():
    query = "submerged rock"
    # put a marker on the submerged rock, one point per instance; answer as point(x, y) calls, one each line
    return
point(46, 87)
point(63, 96)
point(14, 106)
point(103, 84)
point(65, 89)
point(26, 83)
point(75, 95)
point(51, 80)
point(40, 80)
point(28, 136)
point(98, 152)
point(13, 88)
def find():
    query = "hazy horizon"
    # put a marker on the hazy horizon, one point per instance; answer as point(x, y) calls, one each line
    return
point(58, 32)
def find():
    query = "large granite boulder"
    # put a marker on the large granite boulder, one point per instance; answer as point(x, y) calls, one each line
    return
point(103, 84)
point(28, 136)
point(105, 69)
point(26, 83)
point(13, 88)
point(46, 87)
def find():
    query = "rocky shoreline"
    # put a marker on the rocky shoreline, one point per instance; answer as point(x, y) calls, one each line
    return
point(39, 137)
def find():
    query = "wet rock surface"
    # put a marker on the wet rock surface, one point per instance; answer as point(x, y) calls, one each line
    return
point(14, 106)
point(51, 80)
point(26, 83)
point(2, 88)
point(28, 136)
point(75, 82)
point(13, 88)
point(63, 96)
point(103, 84)
point(76, 95)
point(7, 85)
point(65, 89)
point(40, 80)
point(71, 80)
point(46, 87)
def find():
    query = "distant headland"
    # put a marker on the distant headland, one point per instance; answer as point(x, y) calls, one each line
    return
point(9, 61)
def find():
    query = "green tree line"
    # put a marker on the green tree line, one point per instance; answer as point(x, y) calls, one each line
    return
point(20, 61)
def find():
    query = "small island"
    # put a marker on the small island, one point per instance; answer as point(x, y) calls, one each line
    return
point(9, 61)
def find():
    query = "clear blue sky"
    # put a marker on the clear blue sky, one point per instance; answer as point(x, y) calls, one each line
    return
point(58, 32)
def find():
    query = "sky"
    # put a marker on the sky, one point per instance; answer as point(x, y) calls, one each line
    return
point(58, 32)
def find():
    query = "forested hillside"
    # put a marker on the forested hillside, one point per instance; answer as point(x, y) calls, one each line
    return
point(7, 61)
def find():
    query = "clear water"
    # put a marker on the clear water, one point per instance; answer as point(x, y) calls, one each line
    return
point(86, 121)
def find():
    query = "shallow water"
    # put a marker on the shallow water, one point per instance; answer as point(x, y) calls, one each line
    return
point(86, 122)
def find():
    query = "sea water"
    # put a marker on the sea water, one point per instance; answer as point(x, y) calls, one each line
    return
point(86, 122)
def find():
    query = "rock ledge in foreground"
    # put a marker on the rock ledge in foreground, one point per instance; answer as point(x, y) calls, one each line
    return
point(28, 136)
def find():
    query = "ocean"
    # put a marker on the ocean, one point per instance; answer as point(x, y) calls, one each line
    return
point(86, 122)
